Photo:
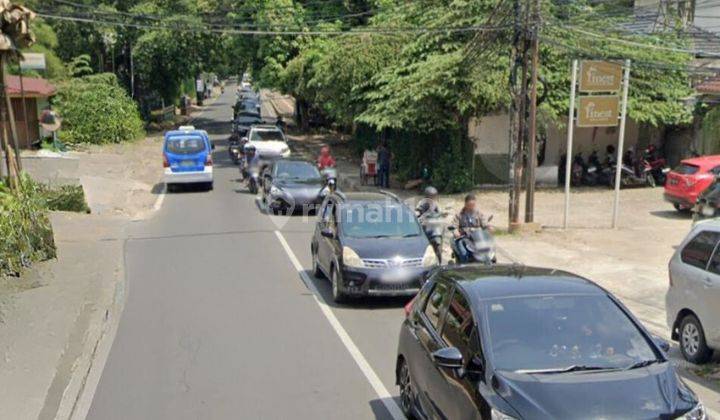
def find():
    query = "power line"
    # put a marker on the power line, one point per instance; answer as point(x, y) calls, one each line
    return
point(236, 31)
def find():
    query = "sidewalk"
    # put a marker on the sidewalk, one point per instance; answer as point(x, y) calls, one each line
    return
point(59, 314)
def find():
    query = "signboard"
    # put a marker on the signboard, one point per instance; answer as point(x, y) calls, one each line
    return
point(600, 76)
point(598, 111)
point(32, 61)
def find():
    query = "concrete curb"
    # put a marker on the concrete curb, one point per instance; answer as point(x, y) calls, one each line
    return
point(87, 370)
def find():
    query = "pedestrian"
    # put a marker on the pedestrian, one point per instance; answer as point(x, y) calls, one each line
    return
point(384, 158)
point(200, 90)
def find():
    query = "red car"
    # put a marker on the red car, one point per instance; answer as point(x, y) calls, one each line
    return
point(685, 183)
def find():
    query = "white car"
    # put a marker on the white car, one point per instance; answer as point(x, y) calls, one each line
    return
point(269, 142)
point(693, 299)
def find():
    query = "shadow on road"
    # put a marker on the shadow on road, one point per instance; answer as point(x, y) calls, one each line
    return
point(671, 214)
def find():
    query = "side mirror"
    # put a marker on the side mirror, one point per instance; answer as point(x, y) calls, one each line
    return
point(662, 343)
point(327, 233)
point(448, 357)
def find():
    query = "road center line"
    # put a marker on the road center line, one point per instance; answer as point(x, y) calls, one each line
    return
point(362, 363)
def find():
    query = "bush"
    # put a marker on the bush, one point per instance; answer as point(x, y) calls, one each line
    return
point(96, 110)
point(65, 198)
point(24, 227)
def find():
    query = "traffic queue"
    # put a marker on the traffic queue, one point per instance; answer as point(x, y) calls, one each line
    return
point(480, 339)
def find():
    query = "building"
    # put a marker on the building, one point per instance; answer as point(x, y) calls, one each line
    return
point(37, 93)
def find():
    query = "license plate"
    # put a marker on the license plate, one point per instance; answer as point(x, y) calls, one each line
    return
point(187, 163)
point(394, 276)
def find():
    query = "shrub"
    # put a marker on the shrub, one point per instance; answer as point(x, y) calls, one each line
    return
point(24, 227)
point(96, 110)
point(65, 198)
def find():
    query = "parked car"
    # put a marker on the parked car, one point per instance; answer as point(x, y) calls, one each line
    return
point(292, 184)
point(693, 298)
point(514, 342)
point(708, 203)
point(685, 183)
point(370, 244)
point(187, 157)
point(269, 142)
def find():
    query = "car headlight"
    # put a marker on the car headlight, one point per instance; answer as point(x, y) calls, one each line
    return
point(275, 190)
point(497, 415)
point(351, 258)
point(697, 413)
point(430, 259)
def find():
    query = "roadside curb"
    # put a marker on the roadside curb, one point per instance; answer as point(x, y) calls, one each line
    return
point(87, 368)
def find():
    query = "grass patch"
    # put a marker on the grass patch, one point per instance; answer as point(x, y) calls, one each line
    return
point(65, 198)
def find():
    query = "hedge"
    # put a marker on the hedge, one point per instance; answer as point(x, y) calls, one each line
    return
point(24, 227)
point(95, 109)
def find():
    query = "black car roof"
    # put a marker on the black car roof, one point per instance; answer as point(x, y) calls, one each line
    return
point(501, 281)
point(375, 197)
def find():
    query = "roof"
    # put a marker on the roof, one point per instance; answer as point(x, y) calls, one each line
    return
point(709, 86)
point(500, 281)
point(266, 127)
point(706, 43)
point(704, 162)
point(369, 196)
point(33, 86)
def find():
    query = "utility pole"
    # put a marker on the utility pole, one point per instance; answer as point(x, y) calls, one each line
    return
point(532, 136)
point(517, 114)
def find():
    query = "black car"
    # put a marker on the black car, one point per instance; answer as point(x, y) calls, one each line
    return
point(515, 342)
point(293, 185)
point(370, 244)
point(708, 203)
point(243, 121)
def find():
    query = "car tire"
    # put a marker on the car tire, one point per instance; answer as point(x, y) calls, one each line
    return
point(210, 186)
point(316, 271)
point(337, 294)
point(407, 396)
point(171, 188)
point(681, 209)
point(692, 341)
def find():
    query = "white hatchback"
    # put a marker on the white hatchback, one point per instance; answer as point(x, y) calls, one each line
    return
point(693, 298)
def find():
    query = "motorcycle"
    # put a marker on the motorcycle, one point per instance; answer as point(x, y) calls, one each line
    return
point(433, 224)
point(577, 170)
point(253, 180)
point(234, 151)
point(656, 166)
point(602, 175)
point(330, 176)
point(479, 243)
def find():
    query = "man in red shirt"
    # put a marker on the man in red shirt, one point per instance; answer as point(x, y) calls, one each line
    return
point(325, 160)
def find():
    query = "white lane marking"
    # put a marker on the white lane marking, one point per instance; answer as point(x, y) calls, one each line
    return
point(160, 199)
point(362, 363)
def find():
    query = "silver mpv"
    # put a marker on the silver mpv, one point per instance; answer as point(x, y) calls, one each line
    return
point(693, 298)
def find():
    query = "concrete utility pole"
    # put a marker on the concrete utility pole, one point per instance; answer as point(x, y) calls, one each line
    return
point(532, 123)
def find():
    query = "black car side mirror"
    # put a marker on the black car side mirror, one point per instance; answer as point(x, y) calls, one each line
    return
point(328, 233)
point(662, 343)
point(448, 357)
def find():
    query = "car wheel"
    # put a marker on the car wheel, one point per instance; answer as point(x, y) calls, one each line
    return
point(171, 188)
point(316, 271)
point(407, 396)
point(337, 294)
point(692, 341)
point(680, 208)
point(210, 186)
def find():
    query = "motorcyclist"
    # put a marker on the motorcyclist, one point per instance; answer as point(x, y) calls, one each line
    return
point(468, 217)
point(325, 159)
point(429, 204)
point(252, 160)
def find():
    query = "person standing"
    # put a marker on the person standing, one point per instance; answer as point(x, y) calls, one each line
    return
point(383, 166)
point(200, 90)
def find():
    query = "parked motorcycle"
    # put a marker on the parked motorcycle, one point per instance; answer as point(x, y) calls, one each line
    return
point(479, 243)
point(433, 224)
point(655, 165)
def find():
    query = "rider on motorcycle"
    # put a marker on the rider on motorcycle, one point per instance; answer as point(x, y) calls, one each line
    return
point(252, 159)
point(325, 159)
point(468, 217)
point(429, 204)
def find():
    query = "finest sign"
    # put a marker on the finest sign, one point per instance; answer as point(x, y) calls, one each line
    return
point(600, 76)
point(598, 111)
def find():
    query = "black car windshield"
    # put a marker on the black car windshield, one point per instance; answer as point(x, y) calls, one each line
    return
point(301, 171)
point(546, 333)
point(266, 135)
point(687, 169)
point(378, 220)
point(185, 145)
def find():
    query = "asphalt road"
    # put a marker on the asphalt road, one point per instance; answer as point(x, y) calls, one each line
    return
point(223, 319)
point(219, 323)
